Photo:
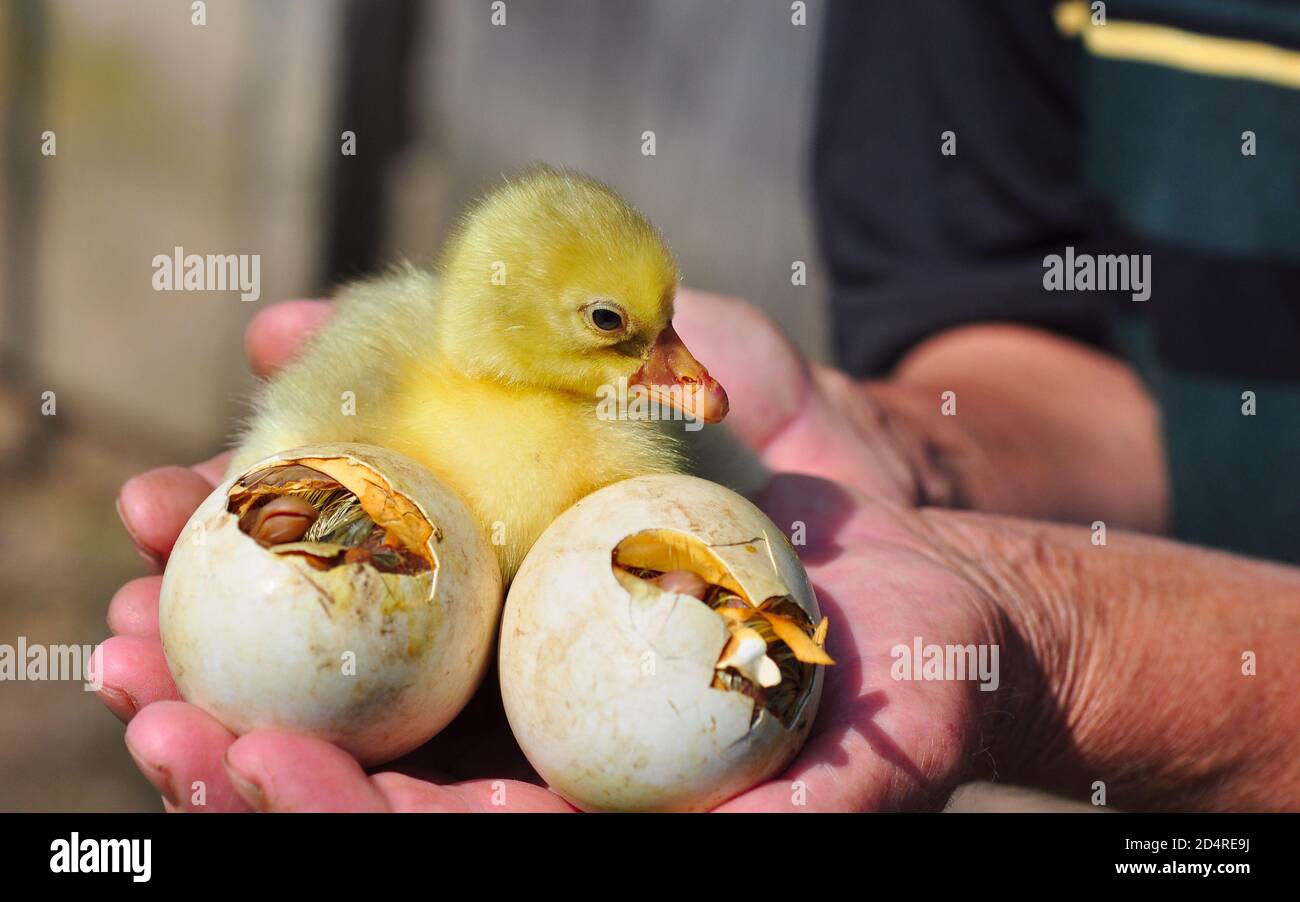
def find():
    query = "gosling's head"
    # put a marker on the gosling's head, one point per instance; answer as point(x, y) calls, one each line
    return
point(555, 282)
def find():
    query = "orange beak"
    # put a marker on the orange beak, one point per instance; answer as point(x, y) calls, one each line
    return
point(676, 379)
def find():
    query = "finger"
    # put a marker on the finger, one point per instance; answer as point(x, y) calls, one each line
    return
point(135, 675)
point(822, 787)
point(155, 506)
point(276, 334)
point(774, 796)
point(134, 609)
point(765, 376)
point(181, 750)
point(843, 770)
point(214, 470)
point(277, 771)
point(408, 794)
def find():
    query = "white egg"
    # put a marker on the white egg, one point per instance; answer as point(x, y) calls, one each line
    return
point(375, 648)
point(615, 677)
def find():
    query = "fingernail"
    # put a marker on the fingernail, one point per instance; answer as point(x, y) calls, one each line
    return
point(120, 702)
point(247, 787)
point(156, 774)
point(152, 558)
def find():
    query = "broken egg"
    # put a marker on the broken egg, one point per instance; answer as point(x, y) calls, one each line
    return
point(661, 648)
point(339, 591)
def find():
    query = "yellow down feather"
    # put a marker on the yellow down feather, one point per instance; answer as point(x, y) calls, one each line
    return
point(487, 370)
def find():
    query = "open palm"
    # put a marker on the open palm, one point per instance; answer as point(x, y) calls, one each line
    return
point(880, 575)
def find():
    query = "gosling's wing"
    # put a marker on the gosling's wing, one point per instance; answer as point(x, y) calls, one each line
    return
point(336, 390)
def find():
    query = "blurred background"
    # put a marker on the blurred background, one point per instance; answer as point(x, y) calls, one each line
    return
point(225, 138)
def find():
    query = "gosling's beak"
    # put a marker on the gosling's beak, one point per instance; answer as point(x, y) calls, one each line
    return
point(676, 379)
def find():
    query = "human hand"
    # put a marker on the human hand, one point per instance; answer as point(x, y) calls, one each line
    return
point(193, 761)
point(877, 743)
point(799, 416)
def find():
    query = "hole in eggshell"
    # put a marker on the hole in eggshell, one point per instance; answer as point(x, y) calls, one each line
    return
point(331, 512)
point(773, 646)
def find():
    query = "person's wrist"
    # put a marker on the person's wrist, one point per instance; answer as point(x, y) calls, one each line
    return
point(1092, 699)
point(1043, 657)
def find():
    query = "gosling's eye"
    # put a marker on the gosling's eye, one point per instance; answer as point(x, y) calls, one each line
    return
point(606, 319)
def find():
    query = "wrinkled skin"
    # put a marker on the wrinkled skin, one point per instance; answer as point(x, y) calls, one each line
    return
point(880, 572)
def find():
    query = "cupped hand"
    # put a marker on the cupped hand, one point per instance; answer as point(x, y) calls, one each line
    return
point(195, 763)
point(885, 578)
point(800, 416)
point(880, 575)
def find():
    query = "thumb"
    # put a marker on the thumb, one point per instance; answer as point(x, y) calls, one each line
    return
point(765, 376)
point(277, 334)
point(278, 771)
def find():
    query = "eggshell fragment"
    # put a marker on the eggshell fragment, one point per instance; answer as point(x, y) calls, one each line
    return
point(609, 681)
point(295, 637)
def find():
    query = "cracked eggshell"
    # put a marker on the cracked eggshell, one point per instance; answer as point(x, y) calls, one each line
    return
point(260, 639)
point(610, 696)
